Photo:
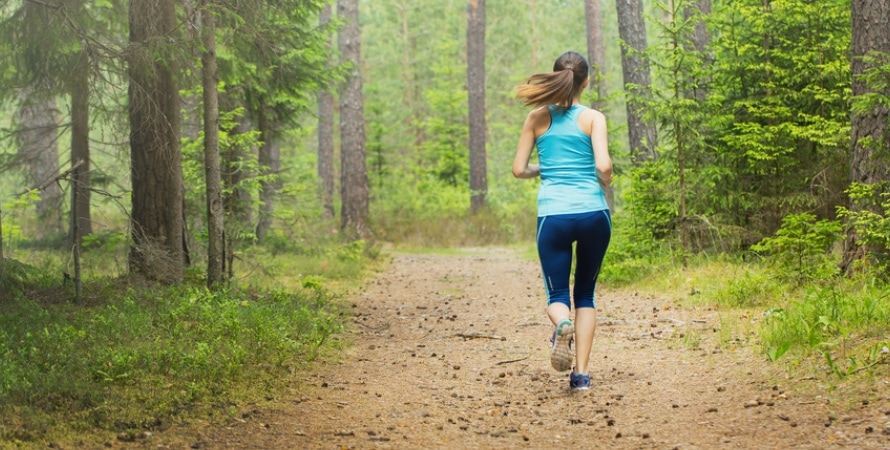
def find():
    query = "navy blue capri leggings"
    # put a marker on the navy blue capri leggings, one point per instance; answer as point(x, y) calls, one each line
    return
point(591, 233)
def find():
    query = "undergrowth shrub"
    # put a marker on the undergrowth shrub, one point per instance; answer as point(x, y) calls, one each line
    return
point(652, 199)
point(801, 249)
point(633, 253)
point(754, 287)
point(835, 320)
point(150, 355)
point(871, 219)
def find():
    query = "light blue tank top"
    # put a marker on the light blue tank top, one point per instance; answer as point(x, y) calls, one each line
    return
point(568, 172)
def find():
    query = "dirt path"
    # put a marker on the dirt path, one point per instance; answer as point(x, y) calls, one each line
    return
point(451, 352)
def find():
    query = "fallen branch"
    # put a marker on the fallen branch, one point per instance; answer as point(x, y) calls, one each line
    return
point(481, 336)
point(511, 360)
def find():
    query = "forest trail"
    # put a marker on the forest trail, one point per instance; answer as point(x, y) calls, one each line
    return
point(451, 351)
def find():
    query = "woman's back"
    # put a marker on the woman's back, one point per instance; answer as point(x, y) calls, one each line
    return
point(567, 166)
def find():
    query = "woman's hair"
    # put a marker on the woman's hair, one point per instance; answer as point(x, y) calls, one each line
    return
point(558, 87)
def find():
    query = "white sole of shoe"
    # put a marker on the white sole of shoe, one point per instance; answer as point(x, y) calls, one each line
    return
point(561, 355)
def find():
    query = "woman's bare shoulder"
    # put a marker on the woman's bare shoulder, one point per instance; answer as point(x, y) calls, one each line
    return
point(593, 114)
point(539, 113)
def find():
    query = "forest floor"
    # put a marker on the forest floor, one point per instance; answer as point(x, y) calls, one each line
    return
point(451, 351)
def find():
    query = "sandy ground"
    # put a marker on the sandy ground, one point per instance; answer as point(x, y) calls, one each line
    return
point(451, 351)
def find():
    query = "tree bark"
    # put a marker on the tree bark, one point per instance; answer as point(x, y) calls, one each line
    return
point(476, 101)
point(354, 189)
point(158, 249)
point(326, 136)
point(637, 79)
point(212, 173)
point(80, 151)
point(870, 155)
point(38, 129)
point(596, 52)
point(191, 105)
point(596, 56)
point(270, 164)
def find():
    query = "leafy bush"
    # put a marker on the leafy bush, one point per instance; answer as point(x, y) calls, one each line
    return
point(801, 248)
point(834, 321)
point(653, 201)
point(870, 217)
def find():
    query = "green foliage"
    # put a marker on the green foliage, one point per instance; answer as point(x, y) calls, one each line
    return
point(446, 151)
point(836, 321)
point(147, 356)
point(272, 57)
point(870, 218)
point(652, 199)
point(633, 253)
point(752, 288)
point(771, 135)
point(17, 278)
point(801, 248)
point(877, 78)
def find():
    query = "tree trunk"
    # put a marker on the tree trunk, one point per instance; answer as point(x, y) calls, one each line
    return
point(38, 146)
point(80, 151)
point(270, 164)
point(869, 163)
point(354, 172)
point(157, 225)
point(596, 56)
point(596, 52)
point(191, 105)
point(635, 68)
point(326, 137)
point(700, 10)
point(476, 101)
point(213, 177)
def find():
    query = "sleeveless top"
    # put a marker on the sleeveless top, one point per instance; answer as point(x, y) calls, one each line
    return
point(568, 173)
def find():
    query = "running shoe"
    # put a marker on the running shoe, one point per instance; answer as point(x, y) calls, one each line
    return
point(560, 351)
point(579, 381)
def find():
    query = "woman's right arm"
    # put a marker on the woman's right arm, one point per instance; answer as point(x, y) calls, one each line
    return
point(600, 140)
point(521, 167)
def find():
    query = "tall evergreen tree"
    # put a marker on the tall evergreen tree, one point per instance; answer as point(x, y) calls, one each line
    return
point(870, 156)
point(596, 56)
point(269, 158)
point(157, 225)
point(79, 88)
point(635, 67)
point(51, 51)
point(354, 189)
point(326, 134)
point(213, 178)
point(596, 52)
point(476, 88)
point(38, 128)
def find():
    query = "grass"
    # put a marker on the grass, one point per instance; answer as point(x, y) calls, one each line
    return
point(133, 356)
point(832, 328)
